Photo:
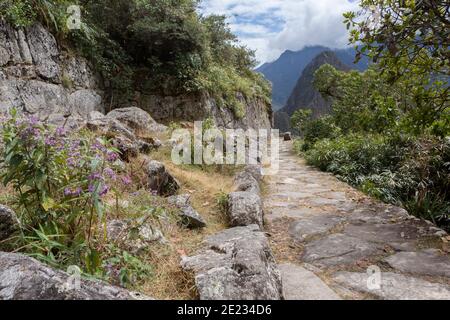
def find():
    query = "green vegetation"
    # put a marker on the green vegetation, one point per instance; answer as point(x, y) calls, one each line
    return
point(60, 182)
point(389, 130)
point(158, 46)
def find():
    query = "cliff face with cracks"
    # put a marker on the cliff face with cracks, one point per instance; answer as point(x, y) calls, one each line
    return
point(38, 76)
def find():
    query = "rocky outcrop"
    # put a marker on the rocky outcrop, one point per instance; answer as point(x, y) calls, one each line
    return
point(24, 278)
point(133, 235)
point(125, 134)
point(159, 180)
point(190, 218)
point(8, 222)
point(305, 95)
point(196, 107)
point(136, 119)
point(237, 264)
point(37, 77)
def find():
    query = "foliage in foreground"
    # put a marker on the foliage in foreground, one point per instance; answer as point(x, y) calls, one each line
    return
point(406, 171)
point(60, 182)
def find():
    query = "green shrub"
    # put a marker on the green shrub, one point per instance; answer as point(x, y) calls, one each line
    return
point(409, 171)
point(317, 129)
point(59, 181)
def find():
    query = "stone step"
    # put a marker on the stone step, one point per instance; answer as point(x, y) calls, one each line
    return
point(302, 284)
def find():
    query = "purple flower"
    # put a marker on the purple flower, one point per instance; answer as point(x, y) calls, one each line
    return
point(33, 120)
point(104, 190)
point(71, 162)
point(91, 188)
point(95, 176)
point(77, 192)
point(60, 131)
point(126, 180)
point(112, 156)
point(50, 141)
point(67, 192)
point(97, 146)
point(110, 173)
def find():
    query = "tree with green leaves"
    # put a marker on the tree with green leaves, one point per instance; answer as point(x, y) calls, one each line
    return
point(299, 119)
point(409, 40)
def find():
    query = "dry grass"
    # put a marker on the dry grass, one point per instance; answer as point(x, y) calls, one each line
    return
point(169, 281)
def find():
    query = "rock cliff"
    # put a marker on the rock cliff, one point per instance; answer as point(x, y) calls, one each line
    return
point(38, 76)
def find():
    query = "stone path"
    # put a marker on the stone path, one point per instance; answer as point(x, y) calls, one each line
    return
point(331, 241)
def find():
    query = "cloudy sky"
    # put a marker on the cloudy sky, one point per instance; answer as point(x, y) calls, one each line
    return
point(272, 26)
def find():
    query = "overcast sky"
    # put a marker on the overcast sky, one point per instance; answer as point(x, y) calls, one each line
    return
point(272, 26)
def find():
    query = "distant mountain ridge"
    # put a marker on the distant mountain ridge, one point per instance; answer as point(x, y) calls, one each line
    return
point(284, 72)
point(304, 95)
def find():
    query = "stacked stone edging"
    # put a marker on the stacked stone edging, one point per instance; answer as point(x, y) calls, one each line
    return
point(238, 263)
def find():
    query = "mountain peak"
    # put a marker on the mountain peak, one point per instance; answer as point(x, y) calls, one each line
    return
point(284, 72)
point(304, 95)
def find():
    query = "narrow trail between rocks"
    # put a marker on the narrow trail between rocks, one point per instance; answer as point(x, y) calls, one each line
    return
point(333, 242)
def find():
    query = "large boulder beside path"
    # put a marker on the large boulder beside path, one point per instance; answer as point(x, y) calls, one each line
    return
point(24, 278)
point(8, 222)
point(236, 264)
point(137, 119)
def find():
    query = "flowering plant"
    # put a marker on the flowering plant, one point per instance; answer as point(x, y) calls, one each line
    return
point(59, 178)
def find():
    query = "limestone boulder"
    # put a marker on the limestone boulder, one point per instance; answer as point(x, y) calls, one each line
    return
point(159, 180)
point(189, 216)
point(236, 264)
point(245, 208)
point(45, 52)
point(136, 119)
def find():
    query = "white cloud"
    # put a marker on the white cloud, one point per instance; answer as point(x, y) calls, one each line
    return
point(273, 26)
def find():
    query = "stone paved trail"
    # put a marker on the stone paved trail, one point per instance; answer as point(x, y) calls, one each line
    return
point(328, 237)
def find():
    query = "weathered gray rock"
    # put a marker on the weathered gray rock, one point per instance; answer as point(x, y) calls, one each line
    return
point(255, 171)
point(33, 68)
point(430, 262)
point(337, 249)
point(8, 222)
point(133, 235)
point(245, 208)
point(302, 284)
point(24, 278)
point(400, 236)
point(201, 106)
point(148, 144)
point(44, 50)
point(42, 98)
point(71, 123)
point(394, 286)
point(85, 101)
point(189, 216)
point(309, 227)
point(237, 264)
point(136, 119)
point(244, 181)
point(159, 180)
point(128, 149)
point(108, 126)
point(79, 72)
